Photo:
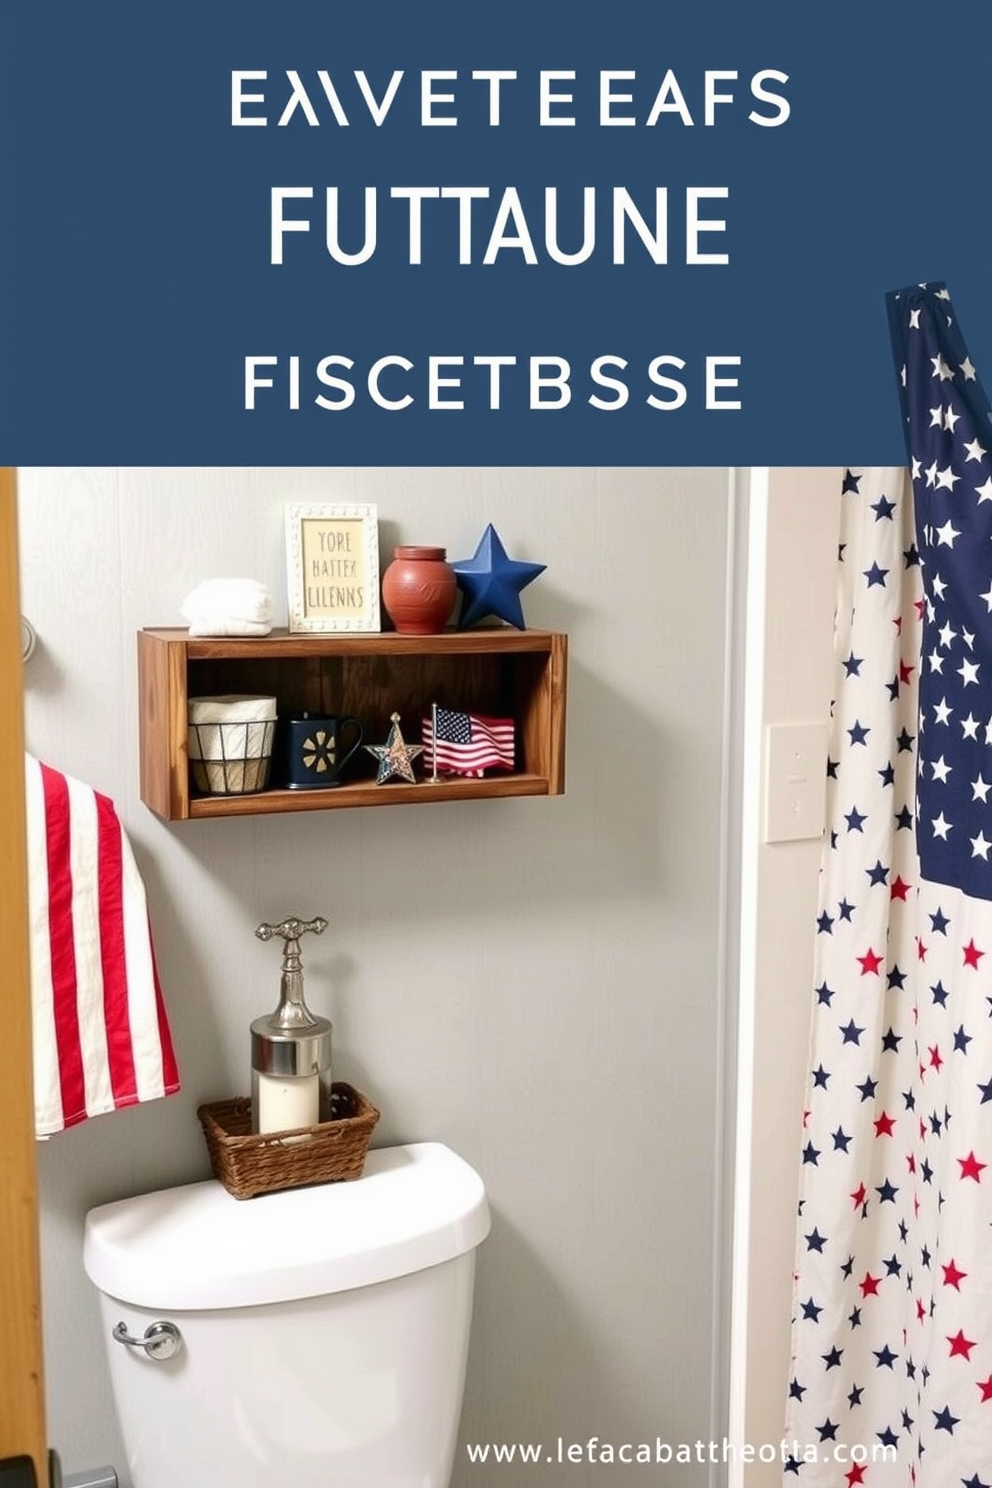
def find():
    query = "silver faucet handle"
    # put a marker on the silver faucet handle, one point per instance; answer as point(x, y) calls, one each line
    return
point(292, 928)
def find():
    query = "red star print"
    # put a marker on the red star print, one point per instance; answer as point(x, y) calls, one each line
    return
point(911, 1163)
point(883, 1125)
point(919, 605)
point(869, 962)
point(899, 888)
point(921, 1311)
point(859, 1195)
point(905, 671)
point(952, 1276)
point(855, 1474)
point(935, 1059)
point(921, 950)
point(971, 1167)
point(960, 1345)
point(869, 1287)
point(972, 954)
point(986, 1388)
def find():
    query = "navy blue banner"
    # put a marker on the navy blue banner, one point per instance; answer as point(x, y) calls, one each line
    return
point(248, 232)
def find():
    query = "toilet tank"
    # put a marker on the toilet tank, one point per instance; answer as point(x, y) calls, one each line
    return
point(324, 1330)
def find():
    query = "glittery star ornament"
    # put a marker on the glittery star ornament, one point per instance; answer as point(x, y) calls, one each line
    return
point(491, 583)
point(395, 757)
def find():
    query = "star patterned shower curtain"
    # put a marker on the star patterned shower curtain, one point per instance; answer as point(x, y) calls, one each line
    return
point(891, 1370)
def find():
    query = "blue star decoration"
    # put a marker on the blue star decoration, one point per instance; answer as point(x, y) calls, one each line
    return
point(395, 757)
point(491, 582)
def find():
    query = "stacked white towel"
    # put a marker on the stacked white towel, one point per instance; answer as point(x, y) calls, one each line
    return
point(228, 607)
point(101, 1035)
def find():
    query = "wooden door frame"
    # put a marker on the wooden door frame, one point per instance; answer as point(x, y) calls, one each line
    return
point(22, 1403)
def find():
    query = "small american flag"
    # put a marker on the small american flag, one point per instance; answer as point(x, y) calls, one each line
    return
point(468, 744)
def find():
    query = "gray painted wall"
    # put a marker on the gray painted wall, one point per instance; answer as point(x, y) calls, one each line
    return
point(537, 982)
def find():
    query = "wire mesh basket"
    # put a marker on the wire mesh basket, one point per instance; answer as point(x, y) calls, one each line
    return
point(230, 742)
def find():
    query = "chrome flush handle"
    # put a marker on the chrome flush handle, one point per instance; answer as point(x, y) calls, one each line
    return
point(161, 1341)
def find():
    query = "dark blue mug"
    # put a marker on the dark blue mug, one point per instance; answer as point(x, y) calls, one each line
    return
point(314, 752)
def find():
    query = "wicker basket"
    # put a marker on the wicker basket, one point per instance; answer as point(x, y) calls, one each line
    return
point(248, 1164)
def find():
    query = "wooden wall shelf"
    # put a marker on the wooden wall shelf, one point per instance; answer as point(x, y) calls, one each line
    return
point(501, 671)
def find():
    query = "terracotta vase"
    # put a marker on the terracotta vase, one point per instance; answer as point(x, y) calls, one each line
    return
point(418, 590)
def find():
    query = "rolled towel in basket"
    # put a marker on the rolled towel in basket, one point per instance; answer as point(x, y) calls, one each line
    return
point(230, 743)
point(100, 1032)
point(228, 607)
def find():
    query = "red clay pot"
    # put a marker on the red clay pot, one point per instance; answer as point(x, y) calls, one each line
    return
point(418, 590)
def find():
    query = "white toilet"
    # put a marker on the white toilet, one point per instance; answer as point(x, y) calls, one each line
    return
point(315, 1337)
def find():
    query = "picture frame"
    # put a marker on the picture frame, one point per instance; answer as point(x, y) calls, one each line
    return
point(332, 566)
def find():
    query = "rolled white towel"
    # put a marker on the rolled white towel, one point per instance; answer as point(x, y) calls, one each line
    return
point(230, 726)
point(228, 607)
point(231, 707)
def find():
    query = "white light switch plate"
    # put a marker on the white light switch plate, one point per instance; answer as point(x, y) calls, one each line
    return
point(795, 781)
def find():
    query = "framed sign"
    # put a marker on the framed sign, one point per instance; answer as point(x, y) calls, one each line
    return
point(332, 566)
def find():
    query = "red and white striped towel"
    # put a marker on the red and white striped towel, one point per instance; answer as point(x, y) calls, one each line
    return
point(101, 1035)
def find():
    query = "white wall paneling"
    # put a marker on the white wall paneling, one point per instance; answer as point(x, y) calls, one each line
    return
point(538, 983)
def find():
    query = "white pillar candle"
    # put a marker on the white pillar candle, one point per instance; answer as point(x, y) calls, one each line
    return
point(285, 1101)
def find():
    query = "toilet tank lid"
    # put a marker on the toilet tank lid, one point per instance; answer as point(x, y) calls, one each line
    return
point(198, 1247)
